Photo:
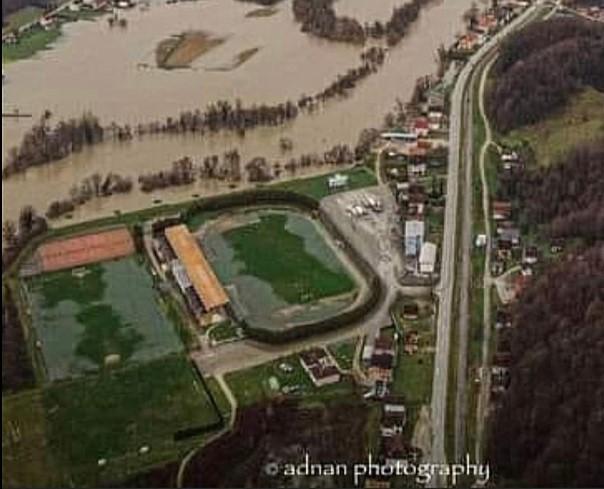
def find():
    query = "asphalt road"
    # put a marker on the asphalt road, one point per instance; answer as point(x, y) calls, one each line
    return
point(445, 288)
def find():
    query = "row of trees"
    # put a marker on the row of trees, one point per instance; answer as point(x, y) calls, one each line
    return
point(229, 168)
point(17, 372)
point(43, 143)
point(319, 18)
point(93, 187)
point(541, 66)
point(16, 235)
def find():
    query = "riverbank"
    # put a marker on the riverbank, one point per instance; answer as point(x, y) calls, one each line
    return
point(29, 42)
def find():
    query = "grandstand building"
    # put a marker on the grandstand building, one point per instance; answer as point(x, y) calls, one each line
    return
point(194, 275)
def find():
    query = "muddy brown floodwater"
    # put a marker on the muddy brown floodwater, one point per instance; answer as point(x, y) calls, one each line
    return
point(112, 73)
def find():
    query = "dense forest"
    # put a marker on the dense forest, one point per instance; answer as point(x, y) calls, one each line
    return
point(548, 429)
point(541, 66)
point(577, 182)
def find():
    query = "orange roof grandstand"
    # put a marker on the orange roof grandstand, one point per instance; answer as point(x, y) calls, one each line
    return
point(85, 249)
point(202, 277)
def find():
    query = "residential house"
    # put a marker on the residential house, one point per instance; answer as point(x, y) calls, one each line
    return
point(394, 418)
point(530, 255)
point(502, 210)
point(320, 366)
point(380, 368)
point(411, 344)
point(421, 127)
point(417, 170)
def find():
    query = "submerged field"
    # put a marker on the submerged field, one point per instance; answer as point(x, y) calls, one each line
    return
point(278, 267)
point(104, 314)
point(57, 435)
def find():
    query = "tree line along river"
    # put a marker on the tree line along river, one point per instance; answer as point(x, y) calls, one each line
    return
point(112, 74)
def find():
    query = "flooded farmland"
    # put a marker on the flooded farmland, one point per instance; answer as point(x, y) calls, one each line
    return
point(112, 73)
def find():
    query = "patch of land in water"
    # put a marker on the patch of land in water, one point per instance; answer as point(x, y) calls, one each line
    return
point(181, 50)
point(237, 61)
point(262, 12)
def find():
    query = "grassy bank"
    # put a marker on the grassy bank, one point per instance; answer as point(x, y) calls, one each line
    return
point(580, 121)
point(36, 39)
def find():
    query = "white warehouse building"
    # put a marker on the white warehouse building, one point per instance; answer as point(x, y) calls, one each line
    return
point(427, 259)
point(414, 237)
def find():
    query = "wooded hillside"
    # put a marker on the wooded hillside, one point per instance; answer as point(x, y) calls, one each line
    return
point(567, 197)
point(541, 66)
point(548, 429)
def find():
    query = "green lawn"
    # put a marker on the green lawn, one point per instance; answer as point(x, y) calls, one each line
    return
point(252, 385)
point(316, 187)
point(55, 437)
point(343, 352)
point(36, 39)
point(21, 17)
point(273, 253)
point(580, 121)
point(224, 331)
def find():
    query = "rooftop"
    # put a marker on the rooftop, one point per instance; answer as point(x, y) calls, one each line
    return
point(202, 277)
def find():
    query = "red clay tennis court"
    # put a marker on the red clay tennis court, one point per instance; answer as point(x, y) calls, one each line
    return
point(85, 249)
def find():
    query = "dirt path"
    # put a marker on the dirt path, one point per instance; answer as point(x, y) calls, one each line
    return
point(233, 402)
point(422, 432)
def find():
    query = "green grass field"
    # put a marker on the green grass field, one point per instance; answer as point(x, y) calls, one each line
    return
point(21, 17)
point(252, 385)
point(36, 39)
point(67, 427)
point(316, 187)
point(279, 256)
point(580, 121)
point(278, 267)
point(112, 309)
point(343, 352)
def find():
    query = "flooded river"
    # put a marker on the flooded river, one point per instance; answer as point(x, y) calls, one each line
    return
point(111, 72)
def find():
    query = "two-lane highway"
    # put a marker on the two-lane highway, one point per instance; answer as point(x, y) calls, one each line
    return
point(445, 289)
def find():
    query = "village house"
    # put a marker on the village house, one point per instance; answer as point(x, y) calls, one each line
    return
point(417, 170)
point(394, 419)
point(503, 319)
point(380, 367)
point(510, 236)
point(421, 127)
point(411, 344)
point(410, 311)
point(530, 255)
point(337, 181)
point(320, 366)
point(502, 210)
point(469, 42)
point(486, 23)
